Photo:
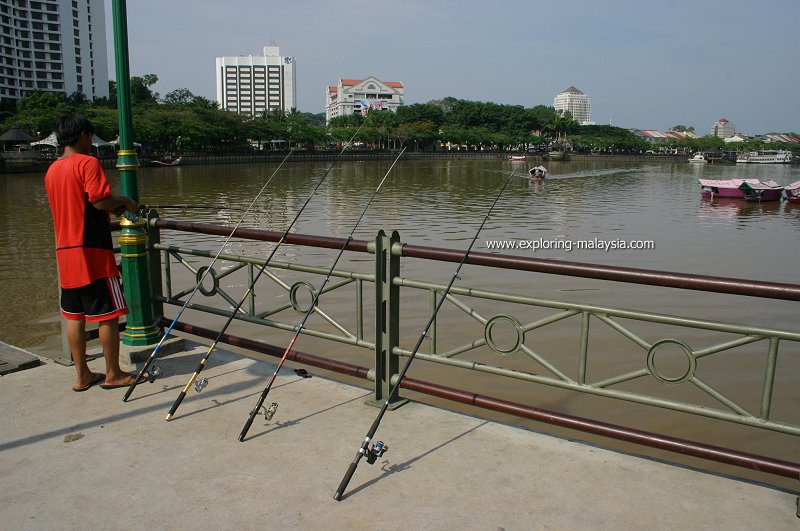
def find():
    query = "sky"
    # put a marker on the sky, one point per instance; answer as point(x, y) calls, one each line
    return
point(645, 65)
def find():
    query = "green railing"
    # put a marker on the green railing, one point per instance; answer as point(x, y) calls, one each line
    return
point(504, 343)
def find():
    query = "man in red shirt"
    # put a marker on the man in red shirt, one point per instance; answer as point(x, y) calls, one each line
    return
point(80, 199)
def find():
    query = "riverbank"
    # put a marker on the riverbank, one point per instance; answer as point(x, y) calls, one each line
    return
point(40, 166)
point(70, 460)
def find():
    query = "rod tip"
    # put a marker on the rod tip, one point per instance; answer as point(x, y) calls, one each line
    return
point(337, 496)
point(168, 417)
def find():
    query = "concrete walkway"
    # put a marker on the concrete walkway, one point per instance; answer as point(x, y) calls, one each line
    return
point(87, 460)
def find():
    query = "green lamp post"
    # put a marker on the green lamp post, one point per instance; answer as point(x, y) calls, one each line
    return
point(141, 328)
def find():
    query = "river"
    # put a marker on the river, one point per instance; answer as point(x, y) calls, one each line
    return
point(441, 203)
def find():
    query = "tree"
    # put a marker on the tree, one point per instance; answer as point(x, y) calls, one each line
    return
point(140, 90)
point(38, 112)
point(181, 96)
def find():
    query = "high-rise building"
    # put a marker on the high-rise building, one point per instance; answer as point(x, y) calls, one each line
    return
point(723, 129)
point(359, 96)
point(256, 84)
point(53, 46)
point(577, 103)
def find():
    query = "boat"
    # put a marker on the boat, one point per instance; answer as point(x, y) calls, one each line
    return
point(538, 172)
point(557, 154)
point(767, 156)
point(698, 158)
point(517, 157)
point(747, 189)
point(166, 162)
point(792, 192)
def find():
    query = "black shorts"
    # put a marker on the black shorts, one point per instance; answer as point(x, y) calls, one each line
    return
point(99, 301)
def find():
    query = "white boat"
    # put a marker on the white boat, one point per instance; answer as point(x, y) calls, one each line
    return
point(767, 156)
point(538, 172)
point(698, 158)
point(792, 192)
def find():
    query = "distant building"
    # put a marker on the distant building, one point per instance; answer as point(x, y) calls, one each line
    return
point(738, 137)
point(723, 129)
point(651, 135)
point(791, 138)
point(680, 135)
point(359, 96)
point(577, 103)
point(53, 46)
point(256, 84)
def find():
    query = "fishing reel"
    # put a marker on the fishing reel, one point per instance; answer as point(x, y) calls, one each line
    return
point(375, 452)
point(200, 384)
point(269, 412)
point(153, 374)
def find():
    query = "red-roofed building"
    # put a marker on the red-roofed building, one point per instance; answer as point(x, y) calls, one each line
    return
point(359, 96)
point(723, 128)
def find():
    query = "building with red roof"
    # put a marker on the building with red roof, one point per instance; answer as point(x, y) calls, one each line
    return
point(360, 96)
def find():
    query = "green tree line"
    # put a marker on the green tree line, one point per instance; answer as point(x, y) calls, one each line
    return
point(183, 122)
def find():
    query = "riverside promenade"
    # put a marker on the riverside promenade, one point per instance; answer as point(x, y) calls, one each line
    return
point(87, 460)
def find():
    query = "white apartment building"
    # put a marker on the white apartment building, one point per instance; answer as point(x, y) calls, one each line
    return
point(723, 129)
point(256, 84)
point(53, 46)
point(577, 103)
point(359, 96)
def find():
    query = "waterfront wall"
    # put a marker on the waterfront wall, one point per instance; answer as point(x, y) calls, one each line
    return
point(36, 166)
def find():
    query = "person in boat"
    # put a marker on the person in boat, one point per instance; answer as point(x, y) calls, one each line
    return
point(539, 172)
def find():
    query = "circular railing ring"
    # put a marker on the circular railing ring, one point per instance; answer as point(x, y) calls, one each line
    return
point(293, 296)
point(651, 365)
point(487, 334)
point(199, 278)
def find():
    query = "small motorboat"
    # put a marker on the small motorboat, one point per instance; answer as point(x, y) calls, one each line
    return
point(792, 192)
point(166, 162)
point(538, 172)
point(747, 189)
point(698, 158)
point(517, 157)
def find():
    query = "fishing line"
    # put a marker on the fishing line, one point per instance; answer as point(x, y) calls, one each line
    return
point(247, 292)
point(271, 410)
point(156, 372)
point(379, 448)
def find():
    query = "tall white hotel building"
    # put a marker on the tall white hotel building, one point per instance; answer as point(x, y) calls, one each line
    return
point(577, 103)
point(53, 46)
point(255, 84)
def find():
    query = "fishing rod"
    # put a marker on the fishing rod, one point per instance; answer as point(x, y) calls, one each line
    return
point(198, 207)
point(270, 411)
point(374, 452)
point(200, 384)
point(156, 372)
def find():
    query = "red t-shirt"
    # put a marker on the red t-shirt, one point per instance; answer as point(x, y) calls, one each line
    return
point(84, 250)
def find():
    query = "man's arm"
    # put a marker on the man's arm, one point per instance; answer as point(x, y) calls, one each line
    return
point(116, 204)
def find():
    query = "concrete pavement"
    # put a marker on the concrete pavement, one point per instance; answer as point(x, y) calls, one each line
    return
point(79, 460)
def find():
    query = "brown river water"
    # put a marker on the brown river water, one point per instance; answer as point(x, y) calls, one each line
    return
point(441, 203)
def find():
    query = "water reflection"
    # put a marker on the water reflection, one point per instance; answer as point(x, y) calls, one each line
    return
point(436, 203)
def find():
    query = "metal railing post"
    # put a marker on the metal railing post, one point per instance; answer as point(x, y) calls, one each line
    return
point(154, 263)
point(393, 317)
point(387, 320)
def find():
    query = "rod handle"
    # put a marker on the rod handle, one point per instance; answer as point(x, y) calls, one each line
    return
point(175, 406)
point(346, 479)
point(135, 382)
point(249, 422)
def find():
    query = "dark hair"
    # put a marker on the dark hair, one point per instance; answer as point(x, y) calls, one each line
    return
point(69, 128)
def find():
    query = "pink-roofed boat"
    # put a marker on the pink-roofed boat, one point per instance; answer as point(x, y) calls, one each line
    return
point(747, 189)
point(792, 192)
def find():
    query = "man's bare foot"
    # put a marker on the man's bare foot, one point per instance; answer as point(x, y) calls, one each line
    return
point(83, 385)
point(124, 380)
